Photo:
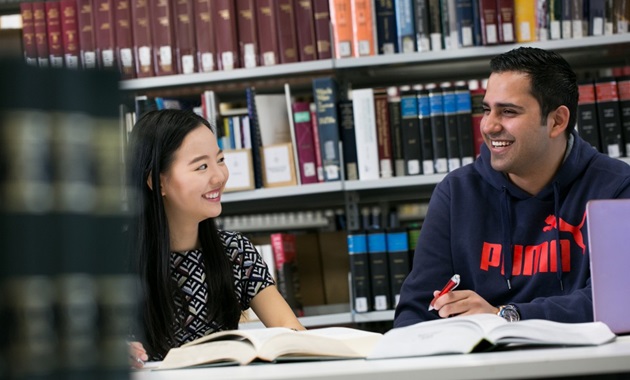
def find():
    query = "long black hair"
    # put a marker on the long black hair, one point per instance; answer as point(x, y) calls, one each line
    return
point(152, 144)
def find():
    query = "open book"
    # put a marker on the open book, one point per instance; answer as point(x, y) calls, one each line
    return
point(272, 344)
point(480, 332)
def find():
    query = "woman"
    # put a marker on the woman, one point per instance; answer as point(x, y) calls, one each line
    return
point(195, 278)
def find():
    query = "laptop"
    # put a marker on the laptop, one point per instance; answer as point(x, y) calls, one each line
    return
point(609, 247)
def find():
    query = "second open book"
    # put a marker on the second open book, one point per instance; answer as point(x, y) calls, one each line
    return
point(456, 335)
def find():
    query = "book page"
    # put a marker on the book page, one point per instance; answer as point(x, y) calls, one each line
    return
point(539, 331)
point(227, 351)
point(256, 336)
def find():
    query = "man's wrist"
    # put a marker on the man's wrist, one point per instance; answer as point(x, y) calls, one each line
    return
point(509, 312)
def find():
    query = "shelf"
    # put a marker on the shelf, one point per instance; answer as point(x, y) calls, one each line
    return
point(282, 192)
point(394, 182)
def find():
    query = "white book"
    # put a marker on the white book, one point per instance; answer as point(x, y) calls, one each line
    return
point(365, 133)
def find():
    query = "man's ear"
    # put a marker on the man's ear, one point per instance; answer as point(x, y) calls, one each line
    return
point(559, 120)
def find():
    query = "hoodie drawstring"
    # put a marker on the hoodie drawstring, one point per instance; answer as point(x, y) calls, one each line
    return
point(556, 212)
point(506, 257)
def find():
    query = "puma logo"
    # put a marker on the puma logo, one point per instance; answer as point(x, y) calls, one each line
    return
point(575, 231)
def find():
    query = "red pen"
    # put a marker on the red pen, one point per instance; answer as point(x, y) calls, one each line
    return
point(450, 285)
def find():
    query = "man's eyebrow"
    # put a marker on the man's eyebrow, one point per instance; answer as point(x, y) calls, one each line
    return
point(504, 105)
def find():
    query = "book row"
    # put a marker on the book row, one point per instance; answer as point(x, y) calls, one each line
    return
point(374, 133)
point(153, 38)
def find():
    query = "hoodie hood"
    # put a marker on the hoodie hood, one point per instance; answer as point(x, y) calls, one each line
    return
point(580, 153)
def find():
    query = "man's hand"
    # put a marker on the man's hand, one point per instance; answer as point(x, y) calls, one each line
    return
point(461, 302)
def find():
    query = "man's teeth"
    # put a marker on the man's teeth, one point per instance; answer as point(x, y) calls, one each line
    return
point(501, 143)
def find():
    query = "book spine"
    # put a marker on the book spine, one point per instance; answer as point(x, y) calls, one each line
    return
point(489, 22)
point(621, 16)
point(184, 27)
point(465, 22)
point(41, 36)
point(28, 33)
point(541, 14)
point(587, 125)
point(247, 32)
point(54, 33)
point(104, 33)
point(85, 20)
point(285, 257)
point(362, 28)
point(398, 259)
point(383, 133)
point(410, 133)
point(577, 18)
point(165, 62)
point(525, 20)
point(365, 133)
point(124, 38)
point(426, 134)
point(438, 130)
point(287, 35)
point(555, 19)
point(206, 45)
point(224, 19)
point(346, 121)
point(476, 101)
point(359, 271)
point(267, 33)
point(70, 31)
point(607, 101)
point(316, 144)
point(321, 16)
point(405, 25)
point(623, 87)
point(449, 29)
point(450, 125)
point(304, 142)
point(505, 20)
point(393, 103)
point(423, 37)
point(341, 18)
point(385, 20)
point(379, 269)
point(142, 38)
point(567, 19)
point(325, 97)
point(596, 18)
point(250, 95)
point(464, 123)
point(305, 28)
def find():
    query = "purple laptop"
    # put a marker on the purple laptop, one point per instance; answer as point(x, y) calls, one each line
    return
point(609, 247)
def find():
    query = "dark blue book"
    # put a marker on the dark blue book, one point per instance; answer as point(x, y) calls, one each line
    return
point(465, 23)
point(250, 95)
point(438, 130)
point(449, 102)
point(359, 271)
point(426, 134)
point(398, 257)
point(386, 33)
point(567, 18)
point(423, 39)
point(405, 26)
point(464, 123)
point(395, 125)
point(379, 269)
point(346, 120)
point(410, 132)
point(477, 38)
point(325, 98)
point(596, 17)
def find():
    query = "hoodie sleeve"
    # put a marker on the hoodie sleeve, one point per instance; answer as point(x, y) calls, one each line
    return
point(575, 307)
point(432, 263)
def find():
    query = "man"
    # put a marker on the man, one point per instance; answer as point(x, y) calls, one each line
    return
point(512, 224)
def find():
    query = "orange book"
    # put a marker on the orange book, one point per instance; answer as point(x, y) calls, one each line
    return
point(362, 28)
point(525, 20)
point(341, 19)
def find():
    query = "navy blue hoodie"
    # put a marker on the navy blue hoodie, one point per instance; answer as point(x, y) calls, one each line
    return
point(478, 223)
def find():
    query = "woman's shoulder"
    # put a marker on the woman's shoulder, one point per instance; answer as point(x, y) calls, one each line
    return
point(233, 239)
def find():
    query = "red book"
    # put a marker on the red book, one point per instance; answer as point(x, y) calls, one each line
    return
point(267, 33)
point(321, 16)
point(185, 44)
point(224, 19)
point(124, 38)
point(28, 33)
point(287, 36)
point(205, 43)
point(488, 21)
point(318, 154)
point(142, 38)
point(305, 28)
point(70, 33)
point(41, 36)
point(383, 133)
point(53, 30)
point(304, 142)
point(476, 98)
point(104, 33)
point(505, 21)
point(163, 38)
point(85, 19)
point(285, 257)
point(247, 32)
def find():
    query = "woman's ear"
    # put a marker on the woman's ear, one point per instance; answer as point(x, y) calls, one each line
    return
point(150, 180)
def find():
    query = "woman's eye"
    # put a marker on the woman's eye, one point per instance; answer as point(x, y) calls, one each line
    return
point(203, 167)
point(221, 160)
